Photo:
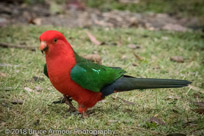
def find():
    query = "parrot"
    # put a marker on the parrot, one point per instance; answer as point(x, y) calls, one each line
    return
point(87, 82)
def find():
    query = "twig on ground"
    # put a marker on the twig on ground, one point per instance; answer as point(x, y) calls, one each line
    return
point(125, 101)
point(93, 38)
point(137, 56)
point(195, 88)
point(8, 45)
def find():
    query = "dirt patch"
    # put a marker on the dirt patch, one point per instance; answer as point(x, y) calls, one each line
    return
point(89, 17)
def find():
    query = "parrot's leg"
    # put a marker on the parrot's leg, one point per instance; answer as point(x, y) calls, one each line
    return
point(82, 109)
point(68, 101)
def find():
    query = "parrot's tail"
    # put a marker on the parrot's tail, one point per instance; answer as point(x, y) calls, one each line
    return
point(127, 83)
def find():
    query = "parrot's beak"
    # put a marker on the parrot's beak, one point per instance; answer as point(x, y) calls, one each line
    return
point(43, 46)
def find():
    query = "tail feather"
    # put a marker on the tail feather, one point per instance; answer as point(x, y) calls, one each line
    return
point(127, 83)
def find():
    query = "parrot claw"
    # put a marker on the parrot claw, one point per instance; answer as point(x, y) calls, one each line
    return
point(68, 101)
point(84, 115)
point(76, 113)
point(72, 109)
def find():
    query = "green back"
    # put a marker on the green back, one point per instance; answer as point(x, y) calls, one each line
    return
point(92, 76)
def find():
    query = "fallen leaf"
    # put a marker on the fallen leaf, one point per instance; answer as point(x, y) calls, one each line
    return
point(132, 46)
point(157, 121)
point(93, 38)
point(35, 21)
point(17, 102)
point(3, 123)
point(124, 57)
point(174, 27)
point(38, 88)
point(129, 1)
point(127, 110)
point(178, 59)
point(135, 64)
point(2, 74)
point(137, 56)
point(93, 57)
point(165, 38)
point(199, 104)
point(28, 89)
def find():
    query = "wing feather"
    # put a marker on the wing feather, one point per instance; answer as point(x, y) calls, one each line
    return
point(93, 76)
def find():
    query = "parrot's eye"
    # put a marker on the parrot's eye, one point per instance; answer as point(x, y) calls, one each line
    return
point(55, 40)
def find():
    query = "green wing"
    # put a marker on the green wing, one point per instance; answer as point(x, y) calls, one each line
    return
point(92, 76)
point(45, 70)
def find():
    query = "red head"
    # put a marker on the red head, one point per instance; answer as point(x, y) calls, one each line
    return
point(53, 42)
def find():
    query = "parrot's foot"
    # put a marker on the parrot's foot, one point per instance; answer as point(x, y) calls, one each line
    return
point(68, 101)
point(72, 109)
point(82, 109)
point(84, 115)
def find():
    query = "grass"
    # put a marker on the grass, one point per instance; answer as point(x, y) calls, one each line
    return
point(173, 106)
point(181, 7)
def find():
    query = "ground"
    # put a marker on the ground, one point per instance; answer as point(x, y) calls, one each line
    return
point(147, 112)
point(157, 39)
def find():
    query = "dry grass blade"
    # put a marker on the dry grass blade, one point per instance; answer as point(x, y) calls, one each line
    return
point(195, 88)
point(127, 102)
point(178, 59)
point(93, 38)
point(157, 121)
point(93, 57)
point(137, 56)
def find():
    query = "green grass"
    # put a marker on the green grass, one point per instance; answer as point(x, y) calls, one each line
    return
point(182, 8)
point(38, 112)
point(178, 7)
